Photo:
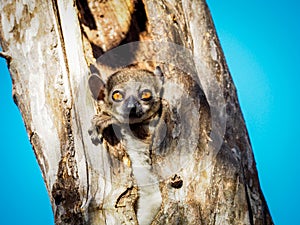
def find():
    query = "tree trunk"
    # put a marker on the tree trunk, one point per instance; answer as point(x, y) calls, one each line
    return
point(49, 46)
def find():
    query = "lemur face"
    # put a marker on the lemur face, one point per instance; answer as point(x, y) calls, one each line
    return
point(133, 96)
point(135, 100)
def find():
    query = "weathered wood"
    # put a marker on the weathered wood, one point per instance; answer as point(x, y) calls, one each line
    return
point(49, 46)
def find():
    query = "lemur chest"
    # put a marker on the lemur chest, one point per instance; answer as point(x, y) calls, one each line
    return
point(136, 137)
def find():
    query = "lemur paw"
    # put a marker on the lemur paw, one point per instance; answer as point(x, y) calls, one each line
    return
point(96, 136)
point(99, 123)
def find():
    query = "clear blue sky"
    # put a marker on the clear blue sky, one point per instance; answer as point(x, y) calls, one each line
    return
point(261, 44)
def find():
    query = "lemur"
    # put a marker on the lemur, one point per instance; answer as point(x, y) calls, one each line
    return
point(132, 103)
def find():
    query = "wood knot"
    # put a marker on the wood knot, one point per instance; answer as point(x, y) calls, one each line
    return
point(176, 182)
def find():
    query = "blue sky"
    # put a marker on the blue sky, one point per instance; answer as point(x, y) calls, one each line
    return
point(261, 44)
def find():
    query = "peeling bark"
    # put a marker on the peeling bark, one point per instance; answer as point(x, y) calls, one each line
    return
point(49, 46)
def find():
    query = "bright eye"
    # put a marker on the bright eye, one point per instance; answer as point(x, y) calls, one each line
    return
point(117, 96)
point(146, 95)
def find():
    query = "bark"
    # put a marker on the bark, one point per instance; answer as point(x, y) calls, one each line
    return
point(49, 46)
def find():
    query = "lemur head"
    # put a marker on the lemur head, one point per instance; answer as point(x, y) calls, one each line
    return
point(131, 95)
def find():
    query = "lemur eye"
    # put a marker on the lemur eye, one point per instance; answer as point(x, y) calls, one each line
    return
point(117, 96)
point(146, 95)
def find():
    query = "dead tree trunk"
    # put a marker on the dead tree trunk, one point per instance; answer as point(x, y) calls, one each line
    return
point(49, 46)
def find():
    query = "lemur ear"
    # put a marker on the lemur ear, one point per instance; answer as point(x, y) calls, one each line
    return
point(97, 87)
point(94, 69)
point(157, 72)
point(96, 84)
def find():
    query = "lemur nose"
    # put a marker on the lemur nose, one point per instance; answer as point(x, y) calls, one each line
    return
point(131, 102)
